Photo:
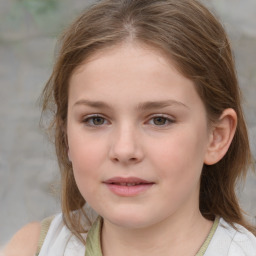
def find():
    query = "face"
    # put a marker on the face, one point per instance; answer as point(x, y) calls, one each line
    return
point(137, 135)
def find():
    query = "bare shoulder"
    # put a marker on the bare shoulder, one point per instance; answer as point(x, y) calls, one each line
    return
point(25, 241)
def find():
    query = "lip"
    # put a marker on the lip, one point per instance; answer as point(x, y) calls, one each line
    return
point(128, 186)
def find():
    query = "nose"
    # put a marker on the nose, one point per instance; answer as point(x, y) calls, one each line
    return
point(125, 146)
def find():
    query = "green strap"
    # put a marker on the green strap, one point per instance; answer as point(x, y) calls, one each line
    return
point(45, 224)
point(206, 243)
point(93, 247)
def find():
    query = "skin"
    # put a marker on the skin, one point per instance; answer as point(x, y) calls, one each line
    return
point(117, 138)
point(166, 145)
point(24, 242)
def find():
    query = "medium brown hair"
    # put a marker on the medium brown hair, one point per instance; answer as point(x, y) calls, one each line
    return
point(198, 46)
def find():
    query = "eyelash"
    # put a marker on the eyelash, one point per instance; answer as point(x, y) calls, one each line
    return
point(91, 118)
point(168, 120)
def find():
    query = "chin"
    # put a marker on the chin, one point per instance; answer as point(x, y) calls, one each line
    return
point(129, 219)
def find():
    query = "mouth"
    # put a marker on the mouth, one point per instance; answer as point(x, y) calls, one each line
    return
point(130, 181)
point(126, 187)
point(127, 184)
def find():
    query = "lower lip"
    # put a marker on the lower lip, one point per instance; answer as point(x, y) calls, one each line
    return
point(129, 190)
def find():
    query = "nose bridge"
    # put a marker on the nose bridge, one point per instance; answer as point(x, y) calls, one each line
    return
point(126, 143)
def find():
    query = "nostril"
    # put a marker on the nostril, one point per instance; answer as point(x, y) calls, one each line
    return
point(125, 153)
point(131, 160)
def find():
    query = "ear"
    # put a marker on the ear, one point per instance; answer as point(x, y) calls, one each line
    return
point(221, 136)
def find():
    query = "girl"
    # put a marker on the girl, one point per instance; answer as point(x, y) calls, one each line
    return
point(149, 133)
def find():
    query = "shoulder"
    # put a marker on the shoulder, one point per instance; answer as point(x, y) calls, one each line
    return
point(25, 241)
point(229, 241)
point(60, 241)
point(243, 242)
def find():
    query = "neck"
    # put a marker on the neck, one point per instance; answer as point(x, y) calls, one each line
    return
point(165, 238)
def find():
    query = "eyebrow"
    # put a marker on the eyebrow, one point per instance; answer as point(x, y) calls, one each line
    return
point(141, 106)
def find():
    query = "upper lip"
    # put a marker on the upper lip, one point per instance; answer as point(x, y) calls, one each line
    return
point(119, 180)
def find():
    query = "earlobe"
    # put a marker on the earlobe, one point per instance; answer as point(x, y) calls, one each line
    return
point(221, 136)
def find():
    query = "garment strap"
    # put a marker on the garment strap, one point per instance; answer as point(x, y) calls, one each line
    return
point(45, 224)
point(209, 237)
point(93, 246)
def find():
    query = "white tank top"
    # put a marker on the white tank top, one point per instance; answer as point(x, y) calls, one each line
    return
point(226, 241)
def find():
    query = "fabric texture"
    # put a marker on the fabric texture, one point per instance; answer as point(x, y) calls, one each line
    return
point(229, 242)
point(207, 241)
point(223, 240)
point(45, 224)
point(93, 247)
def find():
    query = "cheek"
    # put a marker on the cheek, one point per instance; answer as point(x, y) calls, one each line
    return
point(84, 150)
point(87, 155)
point(179, 166)
point(86, 163)
point(180, 157)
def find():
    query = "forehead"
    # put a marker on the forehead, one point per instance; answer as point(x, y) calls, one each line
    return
point(130, 71)
point(128, 50)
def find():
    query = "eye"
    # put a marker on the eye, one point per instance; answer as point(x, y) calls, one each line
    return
point(161, 121)
point(95, 120)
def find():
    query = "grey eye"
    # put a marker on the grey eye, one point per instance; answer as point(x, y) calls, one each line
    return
point(94, 121)
point(97, 120)
point(160, 120)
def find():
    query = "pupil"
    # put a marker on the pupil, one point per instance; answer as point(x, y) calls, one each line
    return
point(159, 121)
point(98, 120)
